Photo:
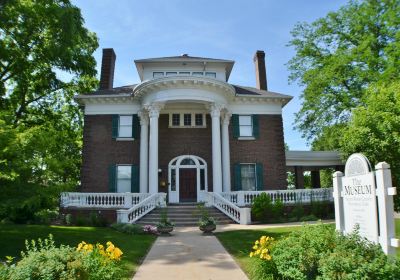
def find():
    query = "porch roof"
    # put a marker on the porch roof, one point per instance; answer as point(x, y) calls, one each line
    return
point(313, 158)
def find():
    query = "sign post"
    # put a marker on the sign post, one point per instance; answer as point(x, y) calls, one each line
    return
point(361, 196)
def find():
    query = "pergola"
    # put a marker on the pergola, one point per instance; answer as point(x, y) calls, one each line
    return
point(313, 161)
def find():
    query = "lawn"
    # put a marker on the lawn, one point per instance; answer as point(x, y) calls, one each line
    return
point(239, 242)
point(134, 247)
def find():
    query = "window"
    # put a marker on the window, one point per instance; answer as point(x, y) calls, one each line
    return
point(199, 119)
point(184, 73)
point(245, 126)
point(188, 161)
point(197, 73)
point(158, 74)
point(124, 178)
point(211, 74)
point(171, 73)
point(125, 126)
point(187, 119)
point(248, 176)
point(202, 180)
point(176, 120)
point(173, 180)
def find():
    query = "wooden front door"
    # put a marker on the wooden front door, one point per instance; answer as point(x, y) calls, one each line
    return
point(187, 185)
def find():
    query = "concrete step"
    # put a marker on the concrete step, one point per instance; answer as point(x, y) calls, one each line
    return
point(183, 215)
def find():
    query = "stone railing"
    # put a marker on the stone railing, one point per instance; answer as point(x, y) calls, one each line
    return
point(136, 212)
point(101, 200)
point(239, 215)
point(288, 197)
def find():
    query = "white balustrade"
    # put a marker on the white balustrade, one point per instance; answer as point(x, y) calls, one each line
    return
point(101, 200)
point(239, 215)
point(288, 197)
point(136, 212)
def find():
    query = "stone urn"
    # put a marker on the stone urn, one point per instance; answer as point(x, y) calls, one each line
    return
point(208, 228)
point(165, 229)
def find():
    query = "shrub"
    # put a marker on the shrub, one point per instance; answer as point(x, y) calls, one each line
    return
point(46, 216)
point(96, 220)
point(297, 212)
point(68, 219)
point(128, 228)
point(308, 218)
point(265, 211)
point(43, 260)
point(298, 255)
point(354, 257)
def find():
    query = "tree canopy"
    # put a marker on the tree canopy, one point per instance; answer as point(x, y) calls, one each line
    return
point(339, 56)
point(46, 57)
point(349, 65)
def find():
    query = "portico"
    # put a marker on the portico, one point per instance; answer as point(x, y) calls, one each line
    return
point(149, 146)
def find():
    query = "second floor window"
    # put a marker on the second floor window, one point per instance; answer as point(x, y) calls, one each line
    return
point(125, 126)
point(245, 126)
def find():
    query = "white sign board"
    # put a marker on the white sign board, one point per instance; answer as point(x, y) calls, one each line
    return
point(359, 201)
point(359, 205)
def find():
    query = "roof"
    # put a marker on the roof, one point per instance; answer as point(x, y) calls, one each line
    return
point(239, 90)
point(313, 158)
point(184, 58)
point(244, 90)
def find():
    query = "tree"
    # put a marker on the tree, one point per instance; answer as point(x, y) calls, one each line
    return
point(46, 57)
point(374, 129)
point(337, 58)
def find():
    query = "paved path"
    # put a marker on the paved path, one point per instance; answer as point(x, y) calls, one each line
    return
point(188, 255)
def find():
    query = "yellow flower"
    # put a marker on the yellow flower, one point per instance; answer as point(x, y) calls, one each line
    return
point(251, 254)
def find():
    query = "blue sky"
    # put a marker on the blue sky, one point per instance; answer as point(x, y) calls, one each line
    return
point(232, 29)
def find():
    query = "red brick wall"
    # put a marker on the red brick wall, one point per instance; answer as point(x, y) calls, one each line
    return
point(268, 149)
point(100, 150)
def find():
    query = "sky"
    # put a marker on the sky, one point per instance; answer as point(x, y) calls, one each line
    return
point(226, 29)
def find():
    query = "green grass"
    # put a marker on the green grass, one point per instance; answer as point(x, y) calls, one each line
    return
point(239, 242)
point(134, 247)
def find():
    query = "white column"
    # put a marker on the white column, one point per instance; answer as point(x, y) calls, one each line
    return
point(144, 152)
point(215, 112)
point(154, 113)
point(226, 159)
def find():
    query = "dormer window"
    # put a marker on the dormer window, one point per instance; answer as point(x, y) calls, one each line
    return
point(158, 74)
point(185, 73)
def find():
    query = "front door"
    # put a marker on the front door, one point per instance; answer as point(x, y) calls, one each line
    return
point(187, 185)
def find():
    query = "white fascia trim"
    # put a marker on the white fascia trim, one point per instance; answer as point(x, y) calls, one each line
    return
point(256, 109)
point(112, 109)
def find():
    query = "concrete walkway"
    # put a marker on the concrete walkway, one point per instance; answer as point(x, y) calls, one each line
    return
point(188, 254)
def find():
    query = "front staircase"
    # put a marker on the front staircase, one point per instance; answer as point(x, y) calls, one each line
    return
point(183, 215)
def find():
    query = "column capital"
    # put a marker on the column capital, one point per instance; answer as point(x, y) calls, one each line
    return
point(226, 117)
point(143, 116)
point(154, 109)
point(215, 109)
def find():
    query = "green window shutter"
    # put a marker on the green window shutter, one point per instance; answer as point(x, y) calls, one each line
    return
point(235, 124)
point(256, 127)
point(135, 126)
point(135, 179)
point(260, 177)
point(112, 178)
point(237, 177)
point(115, 124)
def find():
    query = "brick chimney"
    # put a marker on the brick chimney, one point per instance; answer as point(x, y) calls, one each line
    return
point(107, 69)
point(261, 75)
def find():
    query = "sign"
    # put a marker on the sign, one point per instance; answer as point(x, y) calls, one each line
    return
point(361, 196)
